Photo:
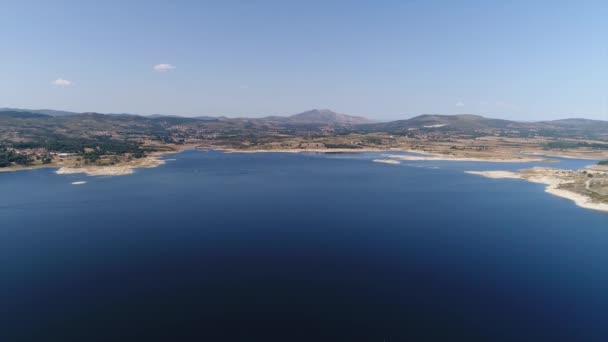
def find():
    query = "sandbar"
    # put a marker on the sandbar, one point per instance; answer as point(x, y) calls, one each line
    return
point(387, 161)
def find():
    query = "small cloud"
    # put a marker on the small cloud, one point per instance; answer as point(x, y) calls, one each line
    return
point(459, 104)
point(60, 82)
point(244, 86)
point(163, 67)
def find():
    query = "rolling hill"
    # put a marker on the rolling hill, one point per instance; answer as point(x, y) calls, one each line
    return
point(316, 121)
point(319, 117)
point(478, 125)
point(49, 112)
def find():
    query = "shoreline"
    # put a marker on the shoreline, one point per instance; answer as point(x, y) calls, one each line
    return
point(124, 168)
point(151, 161)
point(496, 174)
point(26, 168)
point(113, 170)
point(387, 161)
point(304, 150)
point(552, 187)
point(421, 155)
point(597, 157)
point(424, 156)
point(154, 159)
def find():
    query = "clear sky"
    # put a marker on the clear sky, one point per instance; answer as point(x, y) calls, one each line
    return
point(526, 60)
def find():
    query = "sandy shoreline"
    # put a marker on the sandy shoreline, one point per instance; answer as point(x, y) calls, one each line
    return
point(579, 155)
point(387, 161)
point(35, 167)
point(598, 168)
point(96, 170)
point(580, 200)
point(496, 174)
point(120, 169)
point(113, 170)
point(552, 186)
point(438, 157)
point(304, 150)
point(421, 155)
point(153, 160)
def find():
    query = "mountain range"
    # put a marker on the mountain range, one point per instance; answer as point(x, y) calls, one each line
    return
point(314, 116)
point(49, 112)
point(475, 124)
point(325, 119)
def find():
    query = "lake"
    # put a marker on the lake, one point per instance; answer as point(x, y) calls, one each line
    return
point(298, 247)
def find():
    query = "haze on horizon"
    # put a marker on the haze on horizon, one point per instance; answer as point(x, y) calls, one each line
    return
point(384, 60)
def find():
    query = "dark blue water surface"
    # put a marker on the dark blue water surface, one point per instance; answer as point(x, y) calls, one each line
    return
point(298, 247)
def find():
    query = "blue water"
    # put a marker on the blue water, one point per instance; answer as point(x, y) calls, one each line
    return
point(298, 247)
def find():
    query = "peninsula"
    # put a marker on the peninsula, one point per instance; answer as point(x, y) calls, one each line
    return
point(588, 188)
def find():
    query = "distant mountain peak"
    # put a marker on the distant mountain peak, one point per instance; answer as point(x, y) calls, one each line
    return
point(322, 111)
point(327, 116)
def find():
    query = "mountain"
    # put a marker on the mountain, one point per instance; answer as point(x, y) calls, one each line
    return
point(330, 128)
point(575, 128)
point(156, 116)
point(314, 121)
point(578, 123)
point(5, 113)
point(475, 125)
point(49, 112)
point(437, 122)
point(311, 117)
point(326, 116)
point(321, 117)
point(55, 113)
point(211, 118)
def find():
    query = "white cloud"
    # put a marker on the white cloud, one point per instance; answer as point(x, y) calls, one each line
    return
point(60, 82)
point(459, 104)
point(163, 67)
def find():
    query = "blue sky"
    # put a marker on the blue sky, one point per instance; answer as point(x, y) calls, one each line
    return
point(525, 60)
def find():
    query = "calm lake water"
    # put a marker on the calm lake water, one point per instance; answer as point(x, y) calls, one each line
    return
point(298, 247)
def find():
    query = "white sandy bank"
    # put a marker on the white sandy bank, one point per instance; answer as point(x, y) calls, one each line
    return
point(438, 157)
point(112, 170)
point(496, 174)
point(387, 161)
point(552, 186)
